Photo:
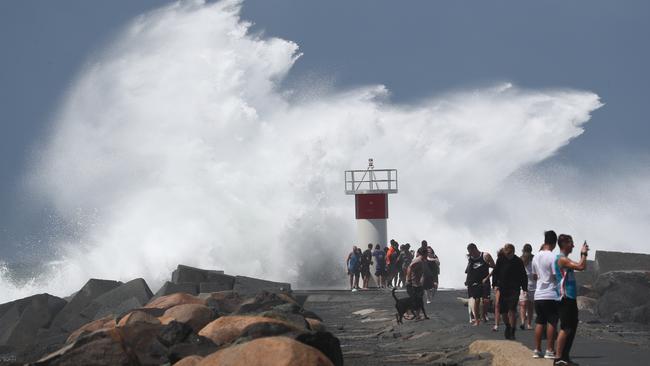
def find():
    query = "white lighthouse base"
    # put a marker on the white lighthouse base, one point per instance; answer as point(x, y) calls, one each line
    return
point(371, 231)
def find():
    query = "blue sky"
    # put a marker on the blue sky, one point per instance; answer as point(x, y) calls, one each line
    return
point(416, 49)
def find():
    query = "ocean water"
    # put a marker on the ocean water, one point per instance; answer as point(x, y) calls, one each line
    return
point(177, 144)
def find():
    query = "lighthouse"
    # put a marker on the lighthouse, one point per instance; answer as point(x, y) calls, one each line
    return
point(371, 188)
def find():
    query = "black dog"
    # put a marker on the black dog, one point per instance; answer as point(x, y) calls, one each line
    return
point(411, 303)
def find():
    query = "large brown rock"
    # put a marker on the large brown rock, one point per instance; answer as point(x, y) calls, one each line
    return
point(264, 301)
point(169, 301)
point(137, 316)
point(196, 316)
point(507, 353)
point(189, 361)
point(224, 302)
point(102, 347)
point(228, 328)
point(107, 322)
point(269, 351)
point(141, 338)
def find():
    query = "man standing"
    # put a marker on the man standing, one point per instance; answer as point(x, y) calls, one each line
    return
point(353, 263)
point(546, 296)
point(414, 276)
point(380, 265)
point(565, 276)
point(511, 278)
point(477, 281)
point(366, 262)
point(391, 262)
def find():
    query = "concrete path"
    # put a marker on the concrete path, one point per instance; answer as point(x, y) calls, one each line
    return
point(364, 321)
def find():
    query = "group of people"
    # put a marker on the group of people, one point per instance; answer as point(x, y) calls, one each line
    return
point(392, 267)
point(544, 283)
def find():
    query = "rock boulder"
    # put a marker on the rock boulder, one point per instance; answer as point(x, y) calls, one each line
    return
point(226, 329)
point(196, 316)
point(123, 298)
point(620, 292)
point(269, 351)
point(21, 320)
point(68, 319)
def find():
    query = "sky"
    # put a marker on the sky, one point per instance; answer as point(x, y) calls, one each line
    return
point(417, 49)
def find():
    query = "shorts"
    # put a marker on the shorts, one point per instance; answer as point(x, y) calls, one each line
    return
point(365, 270)
point(479, 290)
point(530, 296)
point(568, 310)
point(508, 299)
point(380, 271)
point(547, 311)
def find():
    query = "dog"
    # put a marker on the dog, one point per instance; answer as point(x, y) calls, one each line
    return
point(405, 304)
point(470, 309)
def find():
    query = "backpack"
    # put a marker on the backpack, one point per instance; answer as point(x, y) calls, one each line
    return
point(427, 276)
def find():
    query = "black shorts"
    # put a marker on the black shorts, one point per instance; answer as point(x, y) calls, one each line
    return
point(508, 299)
point(478, 291)
point(365, 271)
point(568, 311)
point(380, 271)
point(547, 311)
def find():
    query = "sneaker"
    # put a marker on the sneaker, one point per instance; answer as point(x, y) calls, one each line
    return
point(354, 290)
point(549, 354)
point(495, 328)
point(538, 354)
point(560, 363)
point(428, 301)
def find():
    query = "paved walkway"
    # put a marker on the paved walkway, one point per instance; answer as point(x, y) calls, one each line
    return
point(364, 321)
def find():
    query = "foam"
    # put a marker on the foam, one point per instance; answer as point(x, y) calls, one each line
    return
point(177, 145)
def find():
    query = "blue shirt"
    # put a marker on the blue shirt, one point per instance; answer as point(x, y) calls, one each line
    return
point(566, 279)
point(380, 258)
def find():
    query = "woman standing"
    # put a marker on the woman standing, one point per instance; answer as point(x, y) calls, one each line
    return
point(526, 299)
point(433, 262)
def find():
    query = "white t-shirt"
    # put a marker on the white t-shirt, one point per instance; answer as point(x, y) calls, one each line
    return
point(532, 283)
point(546, 288)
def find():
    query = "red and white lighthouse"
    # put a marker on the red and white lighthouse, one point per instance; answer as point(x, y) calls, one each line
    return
point(371, 188)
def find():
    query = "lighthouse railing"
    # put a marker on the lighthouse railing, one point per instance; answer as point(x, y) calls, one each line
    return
point(371, 181)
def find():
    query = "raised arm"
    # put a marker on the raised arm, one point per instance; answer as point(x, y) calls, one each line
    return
point(565, 262)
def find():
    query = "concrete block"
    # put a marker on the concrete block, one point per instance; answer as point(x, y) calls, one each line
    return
point(247, 286)
point(171, 288)
point(225, 283)
point(135, 292)
point(94, 288)
point(194, 275)
point(606, 261)
point(20, 323)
